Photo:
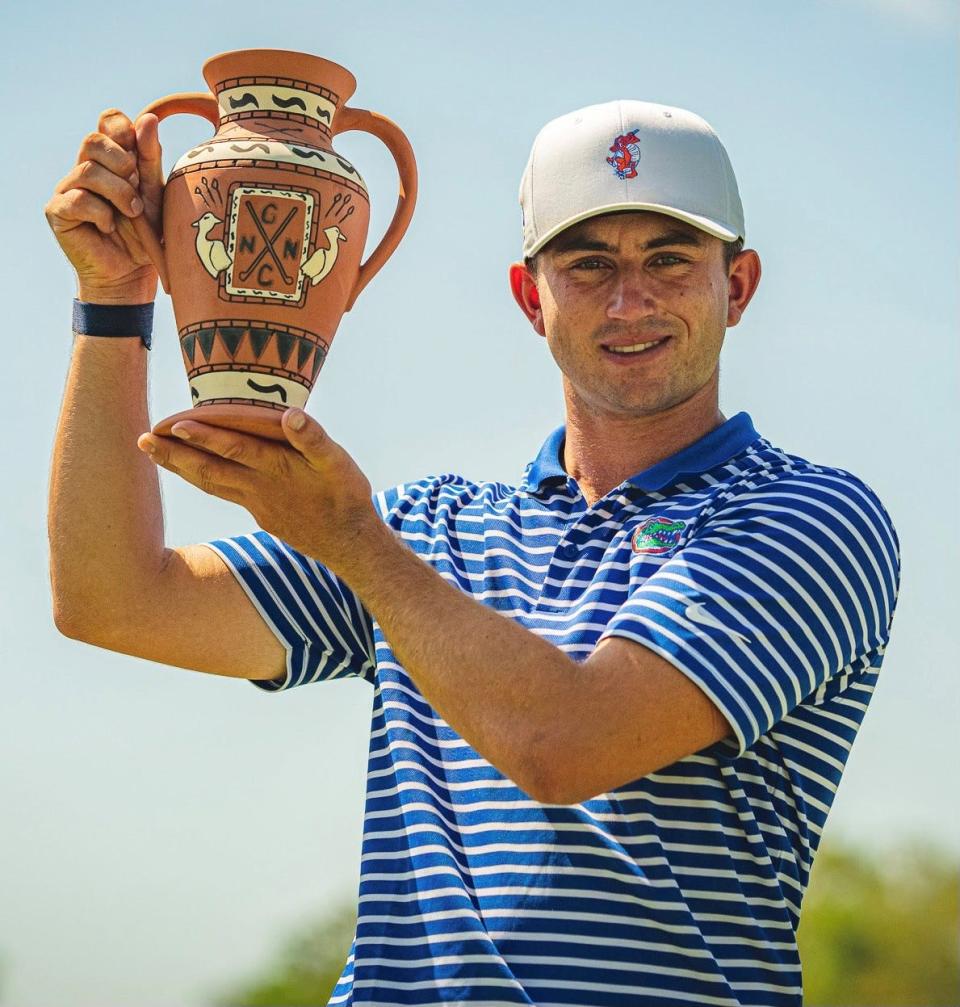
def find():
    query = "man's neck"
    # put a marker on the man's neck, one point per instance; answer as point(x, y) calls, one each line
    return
point(601, 451)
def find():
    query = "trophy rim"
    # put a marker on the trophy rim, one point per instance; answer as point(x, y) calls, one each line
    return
point(257, 62)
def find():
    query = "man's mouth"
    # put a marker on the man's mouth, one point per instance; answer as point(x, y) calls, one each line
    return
point(628, 348)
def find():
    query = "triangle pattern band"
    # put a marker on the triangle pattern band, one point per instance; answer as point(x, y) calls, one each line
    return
point(258, 340)
point(189, 344)
point(284, 346)
point(317, 361)
point(303, 352)
point(205, 338)
point(231, 336)
point(260, 336)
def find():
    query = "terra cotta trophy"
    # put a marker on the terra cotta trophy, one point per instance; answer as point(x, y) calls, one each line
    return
point(263, 232)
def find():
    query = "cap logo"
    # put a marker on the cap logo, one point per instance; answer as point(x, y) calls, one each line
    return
point(657, 535)
point(626, 155)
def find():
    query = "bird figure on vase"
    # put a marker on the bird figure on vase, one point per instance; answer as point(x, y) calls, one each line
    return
point(321, 262)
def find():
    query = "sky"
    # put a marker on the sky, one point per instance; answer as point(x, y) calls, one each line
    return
point(162, 829)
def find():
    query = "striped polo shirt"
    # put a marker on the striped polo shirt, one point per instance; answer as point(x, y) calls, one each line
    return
point(769, 581)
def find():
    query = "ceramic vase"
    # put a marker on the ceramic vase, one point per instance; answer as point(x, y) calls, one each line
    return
point(264, 226)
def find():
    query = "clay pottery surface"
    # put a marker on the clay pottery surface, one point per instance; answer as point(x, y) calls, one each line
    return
point(264, 226)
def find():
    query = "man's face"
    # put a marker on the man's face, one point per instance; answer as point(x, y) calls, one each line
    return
point(623, 279)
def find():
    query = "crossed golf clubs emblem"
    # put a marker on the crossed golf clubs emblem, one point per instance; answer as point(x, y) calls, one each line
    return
point(268, 248)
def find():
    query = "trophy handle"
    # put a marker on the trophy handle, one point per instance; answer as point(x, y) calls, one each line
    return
point(399, 146)
point(194, 103)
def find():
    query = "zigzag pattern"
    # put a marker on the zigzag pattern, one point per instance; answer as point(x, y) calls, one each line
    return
point(230, 344)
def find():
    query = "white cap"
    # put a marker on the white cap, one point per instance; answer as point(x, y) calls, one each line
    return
point(628, 155)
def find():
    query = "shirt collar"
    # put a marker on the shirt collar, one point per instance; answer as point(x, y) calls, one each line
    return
point(709, 451)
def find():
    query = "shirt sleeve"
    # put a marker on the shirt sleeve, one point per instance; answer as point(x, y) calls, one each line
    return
point(791, 584)
point(326, 632)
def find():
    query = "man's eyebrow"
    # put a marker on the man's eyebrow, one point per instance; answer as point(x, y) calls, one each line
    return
point(674, 238)
point(581, 243)
point(584, 243)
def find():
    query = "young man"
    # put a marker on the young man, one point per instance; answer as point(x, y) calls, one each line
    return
point(613, 702)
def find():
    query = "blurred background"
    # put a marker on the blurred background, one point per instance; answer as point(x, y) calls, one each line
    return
point(174, 838)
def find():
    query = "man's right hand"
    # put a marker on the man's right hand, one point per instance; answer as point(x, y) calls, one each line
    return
point(92, 209)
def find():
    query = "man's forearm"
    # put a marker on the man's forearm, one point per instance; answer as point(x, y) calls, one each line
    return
point(105, 519)
point(497, 684)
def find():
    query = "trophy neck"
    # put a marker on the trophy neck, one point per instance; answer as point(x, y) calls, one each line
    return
point(279, 89)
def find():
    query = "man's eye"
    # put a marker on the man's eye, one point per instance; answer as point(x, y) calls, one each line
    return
point(673, 259)
point(588, 264)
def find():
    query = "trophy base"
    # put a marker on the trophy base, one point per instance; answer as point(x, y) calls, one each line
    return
point(244, 419)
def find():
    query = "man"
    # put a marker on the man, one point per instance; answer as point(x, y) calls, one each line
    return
point(613, 702)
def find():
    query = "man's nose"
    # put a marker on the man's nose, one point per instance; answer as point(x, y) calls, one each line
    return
point(632, 296)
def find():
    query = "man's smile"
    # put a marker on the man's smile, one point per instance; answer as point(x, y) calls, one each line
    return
point(628, 352)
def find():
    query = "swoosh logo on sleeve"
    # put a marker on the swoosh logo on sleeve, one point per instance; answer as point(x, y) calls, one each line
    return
point(698, 613)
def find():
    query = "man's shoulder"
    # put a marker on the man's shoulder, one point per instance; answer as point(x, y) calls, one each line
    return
point(765, 465)
point(774, 488)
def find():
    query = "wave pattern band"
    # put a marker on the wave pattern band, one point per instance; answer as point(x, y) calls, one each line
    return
point(225, 151)
point(214, 388)
point(275, 98)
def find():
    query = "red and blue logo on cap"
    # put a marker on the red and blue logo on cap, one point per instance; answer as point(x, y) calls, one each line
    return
point(626, 155)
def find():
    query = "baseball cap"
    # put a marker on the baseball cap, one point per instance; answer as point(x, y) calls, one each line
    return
point(628, 155)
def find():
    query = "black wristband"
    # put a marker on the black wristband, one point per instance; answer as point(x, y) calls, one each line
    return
point(114, 320)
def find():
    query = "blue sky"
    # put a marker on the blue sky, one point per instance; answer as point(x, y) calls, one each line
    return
point(163, 829)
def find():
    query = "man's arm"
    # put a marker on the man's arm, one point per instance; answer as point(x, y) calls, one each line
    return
point(563, 731)
point(560, 730)
point(113, 583)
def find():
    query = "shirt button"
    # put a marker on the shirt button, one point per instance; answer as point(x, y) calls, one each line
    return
point(567, 551)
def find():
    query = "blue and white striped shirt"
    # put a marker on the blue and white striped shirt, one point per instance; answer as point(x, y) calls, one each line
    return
point(768, 580)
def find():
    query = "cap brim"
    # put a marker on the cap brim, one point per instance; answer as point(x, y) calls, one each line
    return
point(703, 223)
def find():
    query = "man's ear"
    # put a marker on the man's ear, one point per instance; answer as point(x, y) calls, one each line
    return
point(742, 284)
point(524, 289)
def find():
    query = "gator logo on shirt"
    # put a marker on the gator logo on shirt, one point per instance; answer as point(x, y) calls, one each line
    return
point(657, 535)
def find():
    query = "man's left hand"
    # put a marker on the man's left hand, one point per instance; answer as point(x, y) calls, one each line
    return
point(308, 492)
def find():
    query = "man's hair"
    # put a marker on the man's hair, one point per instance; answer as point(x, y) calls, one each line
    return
point(731, 249)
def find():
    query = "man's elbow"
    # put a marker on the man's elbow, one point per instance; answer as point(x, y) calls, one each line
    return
point(536, 777)
point(564, 795)
point(577, 781)
point(71, 624)
point(67, 606)
point(66, 623)
point(554, 784)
